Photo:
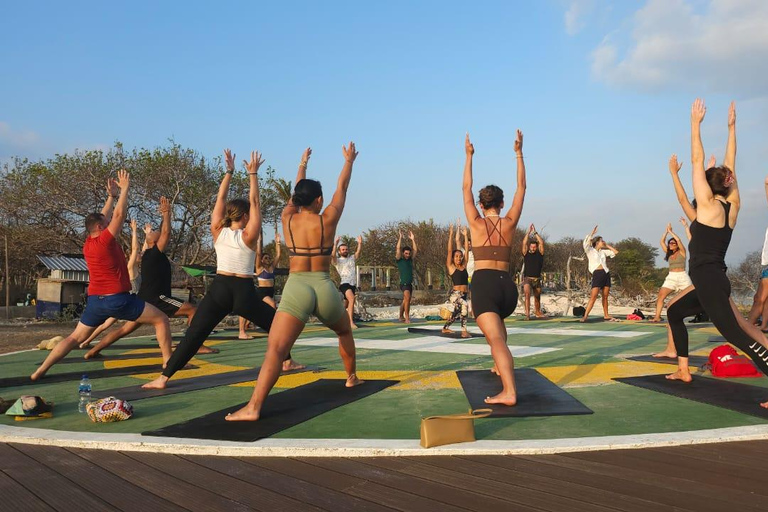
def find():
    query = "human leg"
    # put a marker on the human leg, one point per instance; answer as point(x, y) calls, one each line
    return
point(663, 293)
point(109, 322)
point(605, 291)
point(64, 347)
point(759, 301)
point(492, 326)
point(349, 295)
point(684, 305)
point(592, 298)
point(126, 329)
point(527, 294)
point(406, 306)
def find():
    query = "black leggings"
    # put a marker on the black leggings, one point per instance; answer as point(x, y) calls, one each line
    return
point(227, 294)
point(711, 295)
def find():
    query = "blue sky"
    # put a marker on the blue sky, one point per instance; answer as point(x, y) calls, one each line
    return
point(602, 91)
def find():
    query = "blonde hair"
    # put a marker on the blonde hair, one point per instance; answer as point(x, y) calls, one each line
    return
point(236, 208)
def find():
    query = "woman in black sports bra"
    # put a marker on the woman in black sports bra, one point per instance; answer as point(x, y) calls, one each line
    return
point(494, 294)
point(457, 269)
point(718, 202)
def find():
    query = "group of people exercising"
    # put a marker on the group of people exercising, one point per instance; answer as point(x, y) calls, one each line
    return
point(310, 229)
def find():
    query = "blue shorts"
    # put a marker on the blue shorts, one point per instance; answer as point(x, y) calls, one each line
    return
point(123, 306)
point(764, 273)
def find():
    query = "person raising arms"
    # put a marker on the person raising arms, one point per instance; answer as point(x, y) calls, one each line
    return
point(404, 258)
point(457, 270)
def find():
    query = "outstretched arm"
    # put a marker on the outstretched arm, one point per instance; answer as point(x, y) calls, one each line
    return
point(259, 250)
point(686, 227)
point(340, 196)
point(334, 254)
point(466, 243)
point(165, 227)
point(252, 229)
point(525, 239)
point(415, 249)
point(134, 246)
point(359, 249)
point(220, 208)
point(449, 251)
point(300, 175)
point(663, 241)
point(470, 209)
point(730, 153)
point(398, 253)
point(541, 243)
point(278, 252)
point(677, 239)
point(682, 197)
point(517, 200)
point(587, 243)
point(121, 208)
point(701, 190)
point(112, 195)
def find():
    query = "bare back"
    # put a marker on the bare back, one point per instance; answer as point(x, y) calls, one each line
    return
point(492, 231)
point(309, 237)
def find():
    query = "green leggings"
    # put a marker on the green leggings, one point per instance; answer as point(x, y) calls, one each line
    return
point(312, 293)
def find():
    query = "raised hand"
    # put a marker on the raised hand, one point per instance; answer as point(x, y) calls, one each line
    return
point(674, 166)
point(594, 231)
point(133, 225)
point(359, 239)
point(732, 114)
point(531, 229)
point(277, 238)
point(669, 227)
point(712, 162)
point(112, 188)
point(147, 228)
point(336, 241)
point(123, 179)
point(399, 235)
point(255, 162)
point(698, 109)
point(469, 149)
point(464, 231)
point(305, 157)
point(684, 221)
point(165, 205)
point(410, 235)
point(519, 142)
point(349, 154)
point(229, 159)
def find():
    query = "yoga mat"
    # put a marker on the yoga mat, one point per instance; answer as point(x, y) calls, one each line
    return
point(727, 394)
point(133, 393)
point(116, 357)
point(692, 360)
point(536, 395)
point(75, 376)
point(717, 339)
point(436, 332)
point(281, 411)
point(126, 346)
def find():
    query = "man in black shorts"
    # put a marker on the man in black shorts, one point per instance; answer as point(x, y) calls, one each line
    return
point(346, 265)
point(155, 285)
point(404, 260)
point(533, 261)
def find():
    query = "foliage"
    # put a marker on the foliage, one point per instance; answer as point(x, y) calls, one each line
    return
point(746, 276)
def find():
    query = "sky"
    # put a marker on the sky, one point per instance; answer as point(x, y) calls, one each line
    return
point(601, 89)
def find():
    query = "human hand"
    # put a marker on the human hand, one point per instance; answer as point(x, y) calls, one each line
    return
point(349, 154)
point(165, 205)
point(147, 228)
point(123, 179)
point(669, 227)
point(255, 162)
point(519, 142)
point(732, 114)
point(133, 225)
point(112, 188)
point(229, 159)
point(594, 230)
point(305, 157)
point(698, 109)
point(712, 162)
point(684, 222)
point(464, 231)
point(469, 149)
point(277, 238)
point(399, 235)
point(336, 241)
point(410, 235)
point(674, 165)
point(359, 239)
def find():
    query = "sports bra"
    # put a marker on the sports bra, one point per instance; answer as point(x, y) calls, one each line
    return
point(493, 252)
point(309, 252)
point(677, 262)
point(266, 275)
point(460, 277)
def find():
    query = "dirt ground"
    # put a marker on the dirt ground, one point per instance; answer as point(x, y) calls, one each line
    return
point(23, 335)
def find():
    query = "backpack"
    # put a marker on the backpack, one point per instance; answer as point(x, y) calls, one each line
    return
point(579, 311)
point(724, 361)
point(638, 313)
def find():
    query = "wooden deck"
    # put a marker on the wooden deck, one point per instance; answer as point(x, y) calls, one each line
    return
point(715, 477)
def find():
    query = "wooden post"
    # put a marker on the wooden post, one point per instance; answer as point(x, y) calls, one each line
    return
point(7, 282)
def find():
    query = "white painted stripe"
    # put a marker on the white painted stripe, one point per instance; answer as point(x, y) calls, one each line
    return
point(22, 351)
point(556, 332)
point(369, 447)
point(434, 344)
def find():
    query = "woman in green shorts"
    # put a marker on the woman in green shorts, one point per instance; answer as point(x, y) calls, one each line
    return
point(309, 232)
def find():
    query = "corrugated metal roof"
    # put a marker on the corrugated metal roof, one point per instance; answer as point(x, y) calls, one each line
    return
point(63, 263)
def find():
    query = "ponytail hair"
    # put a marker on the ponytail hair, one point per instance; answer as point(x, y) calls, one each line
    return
point(305, 192)
point(236, 208)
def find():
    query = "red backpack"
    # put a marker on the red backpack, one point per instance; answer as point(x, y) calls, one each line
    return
point(724, 361)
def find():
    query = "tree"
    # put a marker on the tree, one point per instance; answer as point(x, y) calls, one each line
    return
point(634, 266)
point(746, 276)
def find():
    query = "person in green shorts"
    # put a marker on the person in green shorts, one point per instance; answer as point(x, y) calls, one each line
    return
point(404, 259)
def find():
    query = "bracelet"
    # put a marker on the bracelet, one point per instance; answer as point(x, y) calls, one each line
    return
point(253, 173)
point(303, 164)
point(519, 156)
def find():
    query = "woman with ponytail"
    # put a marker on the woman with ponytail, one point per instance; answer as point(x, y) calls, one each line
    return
point(309, 234)
point(235, 227)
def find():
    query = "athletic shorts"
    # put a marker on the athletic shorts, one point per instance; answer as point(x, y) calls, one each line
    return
point(534, 283)
point(677, 281)
point(764, 273)
point(493, 291)
point(408, 287)
point(265, 291)
point(312, 293)
point(123, 306)
point(346, 286)
point(168, 305)
point(601, 279)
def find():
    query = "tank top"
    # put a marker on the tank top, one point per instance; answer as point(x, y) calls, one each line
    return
point(460, 277)
point(232, 254)
point(534, 261)
point(677, 262)
point(708, 245)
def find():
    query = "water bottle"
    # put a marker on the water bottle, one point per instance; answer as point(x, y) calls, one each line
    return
point(84, 392)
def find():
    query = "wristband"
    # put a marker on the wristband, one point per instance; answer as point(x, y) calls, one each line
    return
point(230, 172)
point(253, 173)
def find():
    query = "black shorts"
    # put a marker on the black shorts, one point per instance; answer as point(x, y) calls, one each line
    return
point(346, 286)
point(408, 287)
point(601, 279)
point(168, 305)
point(265, 291)
point(493, 291)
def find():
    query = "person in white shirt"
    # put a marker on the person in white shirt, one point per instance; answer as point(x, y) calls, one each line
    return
point(598, 251)
point(760, 304)
point(346, 265)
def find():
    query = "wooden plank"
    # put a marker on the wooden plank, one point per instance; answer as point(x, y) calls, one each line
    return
point(699, 495)
point(726, 462)
point(743, 454)
point(307, 472)
point(161, 483)
point(117, 492)
point(50, 487)
point(248, 470)
point(14, 494)
point(248, 494)
point(444, 496)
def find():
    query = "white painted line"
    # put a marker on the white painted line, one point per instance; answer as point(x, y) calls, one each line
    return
point(22, 351)
point(434, 344)
point(370, 447)
point(556, 332)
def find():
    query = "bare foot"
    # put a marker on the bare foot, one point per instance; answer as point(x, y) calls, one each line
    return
point(680, 375)
point(158, 383)
point(666, 353)
point(407, 320)
point(291, 365)
point(541, 316)
point(92, 354)
point(502, 398)
point(527, 317)
point(207, 350)
point(655, 320)
point(465, 334)
point(583, 320)
point(353, 381)
point(247, 413)
point(495, 370)
point(401, 320)
point(37, 375)
point(244, 336)
point(446, 331)
point(764, 405)
point(85, 344)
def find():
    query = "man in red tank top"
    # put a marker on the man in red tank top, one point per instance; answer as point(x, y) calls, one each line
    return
point(108, 290)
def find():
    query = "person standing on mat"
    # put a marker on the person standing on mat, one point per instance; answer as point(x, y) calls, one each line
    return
point(760, 303)
point(265, 277)
point(494, 292)
point(457, 270)
point(677, 280)
point(109, 287)
point(309, 289)
point(533, 262)
point(718, 204)
point(404, 258)
point(346, 266)
point(597, 251)
point(235, 227)
point(155, 287)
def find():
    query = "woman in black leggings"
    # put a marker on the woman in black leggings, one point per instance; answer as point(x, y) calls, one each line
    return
point(718, 202)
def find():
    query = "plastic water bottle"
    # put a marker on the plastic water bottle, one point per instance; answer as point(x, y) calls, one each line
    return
point(84, 392)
